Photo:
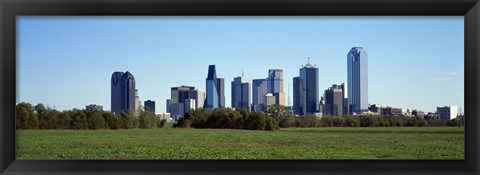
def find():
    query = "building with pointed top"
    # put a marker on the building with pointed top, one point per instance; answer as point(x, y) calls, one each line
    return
point(241, 94)
point(215, 87)
point(306, 91)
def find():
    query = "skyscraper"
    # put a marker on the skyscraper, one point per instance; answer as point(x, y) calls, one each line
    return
point(334, 100)
point(137, 101)
point(306, 93)
point(199, 97)
point(297, 97)
point(149, 105)
point(259, 90)
point(221, 92)
point(275, 85)
point(122, 92)
point(241, 92)
point(215, 97)
point(357, 60)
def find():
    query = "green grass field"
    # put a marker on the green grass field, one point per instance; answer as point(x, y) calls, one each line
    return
point(290, 143)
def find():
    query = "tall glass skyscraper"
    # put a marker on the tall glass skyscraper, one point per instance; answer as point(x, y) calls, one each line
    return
point(259, 90)
point(212, 99)
point(122, 92)
point(275, 85)
point(241, 92)
point(306, 91)
point(357, 60)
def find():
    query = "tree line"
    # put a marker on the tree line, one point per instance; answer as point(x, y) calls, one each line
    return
point(41, 117)
point(277, 117)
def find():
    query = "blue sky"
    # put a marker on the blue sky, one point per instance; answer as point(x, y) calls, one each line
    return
point(67, 62)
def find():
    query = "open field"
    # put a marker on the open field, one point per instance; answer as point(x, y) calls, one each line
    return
point(289, 143)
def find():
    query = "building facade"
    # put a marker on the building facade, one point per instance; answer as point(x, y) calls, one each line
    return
point(122, 92)
point(138, 104)
point(259, 90)
point(275, 85)
point(221, 92)
point(149, 105)
point(212, 95)
point(269, 100)
point(447, 112)
point(306, 91)
point(241, 94)
point(334, 100)
point(357, 60)
point(199, 97)
point(175, 108)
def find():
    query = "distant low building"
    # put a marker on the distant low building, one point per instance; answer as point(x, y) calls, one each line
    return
point(447, 112)
point(418, 113)
point(431, 116)
point(94, 107)
point(164, 115)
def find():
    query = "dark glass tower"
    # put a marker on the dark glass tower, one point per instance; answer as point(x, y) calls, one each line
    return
point(212, 99)
point(241, 93)
point(122, 92)
point(149, 105)
point(259, 90)
point(305, 90)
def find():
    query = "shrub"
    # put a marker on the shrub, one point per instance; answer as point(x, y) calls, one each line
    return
point(338, 121)
point(161, 123)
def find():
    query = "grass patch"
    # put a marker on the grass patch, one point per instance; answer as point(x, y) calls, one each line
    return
point(288, 143)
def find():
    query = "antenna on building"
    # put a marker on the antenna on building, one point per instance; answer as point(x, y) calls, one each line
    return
point(308, 61)
point(242, 72)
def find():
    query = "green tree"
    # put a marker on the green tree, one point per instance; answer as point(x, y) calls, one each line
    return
point(79, 120)
point(64, 120)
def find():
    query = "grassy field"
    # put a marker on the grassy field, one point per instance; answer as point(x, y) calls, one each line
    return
point(290, 143)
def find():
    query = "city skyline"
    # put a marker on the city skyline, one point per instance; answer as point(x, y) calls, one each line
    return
point(442, 71)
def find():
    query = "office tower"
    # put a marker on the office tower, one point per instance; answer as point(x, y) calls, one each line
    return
point(189, 104)
point(259, 89)
point(199, 97)
point(181, 93)
point(213, 99)
point(447, 112)
point(122, 92)
point(137, 101)
point(334, 100)
point(221, 92)
point(275, 85)
point(94, 107)
point(306, 92)
point(297, 106)
point(357, 60)
point(175, 109)
point(269, 100)
point(149, 105)
point(241, 92)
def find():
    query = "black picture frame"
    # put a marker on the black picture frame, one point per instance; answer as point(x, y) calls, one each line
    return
point(9, 9)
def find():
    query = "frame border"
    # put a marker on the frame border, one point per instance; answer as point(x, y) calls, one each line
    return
point(9, 9)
